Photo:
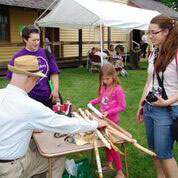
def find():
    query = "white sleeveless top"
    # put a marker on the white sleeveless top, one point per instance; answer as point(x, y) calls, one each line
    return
point(170, 77)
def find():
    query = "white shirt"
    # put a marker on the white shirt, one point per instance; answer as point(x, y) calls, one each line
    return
point(101, 53)
point(20, 115)
point(170, 78)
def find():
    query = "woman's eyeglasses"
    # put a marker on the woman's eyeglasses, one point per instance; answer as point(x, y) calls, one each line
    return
point(154, 33)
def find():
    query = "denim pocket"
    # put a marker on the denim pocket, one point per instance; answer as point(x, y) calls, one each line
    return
point(174, 112)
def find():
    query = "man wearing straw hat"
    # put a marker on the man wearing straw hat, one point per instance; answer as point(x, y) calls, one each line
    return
point(20, 115)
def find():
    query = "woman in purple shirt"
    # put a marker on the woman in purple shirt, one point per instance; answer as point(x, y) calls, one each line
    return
point(41, 92)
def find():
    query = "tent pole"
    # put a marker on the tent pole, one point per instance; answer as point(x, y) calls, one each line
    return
point(126, 49)
point(101, 42)
point(35, 23)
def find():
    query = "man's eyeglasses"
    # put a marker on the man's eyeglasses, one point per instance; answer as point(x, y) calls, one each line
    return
point(154, 33)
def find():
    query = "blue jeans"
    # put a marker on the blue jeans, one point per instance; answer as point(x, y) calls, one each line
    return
point(158, 123)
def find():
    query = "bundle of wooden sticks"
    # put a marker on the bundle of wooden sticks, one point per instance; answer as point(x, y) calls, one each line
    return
point(108, 135)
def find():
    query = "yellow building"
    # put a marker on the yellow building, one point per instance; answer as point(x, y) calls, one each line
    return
point(69, 46)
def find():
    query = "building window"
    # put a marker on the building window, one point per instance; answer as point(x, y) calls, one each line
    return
point(4, 24)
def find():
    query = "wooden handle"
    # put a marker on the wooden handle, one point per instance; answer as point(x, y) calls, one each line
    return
point(118, 128)
point(119, 134)
point(98, 161)
point(77, 115)
point(144, 149)
point(134, 142)
point(83, 114)
point(87, 113)
point(99, 114)
point(98, 133)
point(95, 110)
point(112, 143)
point(105, 142)
point(90, 115)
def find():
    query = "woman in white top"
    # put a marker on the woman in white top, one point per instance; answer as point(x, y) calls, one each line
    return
point(159, 103)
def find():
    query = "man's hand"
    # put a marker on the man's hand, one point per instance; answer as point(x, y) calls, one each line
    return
point(37, 131)
point(105, 114)
point(102, 123)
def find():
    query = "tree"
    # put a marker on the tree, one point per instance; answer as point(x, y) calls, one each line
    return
point(171, 3)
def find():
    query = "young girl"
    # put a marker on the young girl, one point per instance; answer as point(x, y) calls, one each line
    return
point(112, 101)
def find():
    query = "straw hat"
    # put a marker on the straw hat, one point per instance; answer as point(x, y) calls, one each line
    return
point(26, 65)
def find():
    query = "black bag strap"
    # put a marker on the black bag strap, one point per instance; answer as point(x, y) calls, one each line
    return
point(48, 57)
point(160, 80)
point(47, 53)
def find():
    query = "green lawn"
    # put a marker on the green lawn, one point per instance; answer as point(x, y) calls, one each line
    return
point(82, 86)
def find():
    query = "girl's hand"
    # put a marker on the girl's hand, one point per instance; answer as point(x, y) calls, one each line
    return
point(140, 114)
point(160, 102)
point(105, 114)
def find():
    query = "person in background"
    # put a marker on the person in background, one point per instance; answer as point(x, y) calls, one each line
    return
point(21, 115)
point(158, 107)
point(103, 54)
point(41, 92)
point(119, 52)
point(117, 60)
point(112, 51)
point(93, 51)
point(111, 99)
point(144, 45)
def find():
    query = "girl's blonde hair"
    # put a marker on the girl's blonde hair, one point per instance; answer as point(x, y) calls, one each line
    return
point(168, 49)
point(108, 70)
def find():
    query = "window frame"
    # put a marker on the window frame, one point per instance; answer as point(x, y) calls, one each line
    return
point(4, 11)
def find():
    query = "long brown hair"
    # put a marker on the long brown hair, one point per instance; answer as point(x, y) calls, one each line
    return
point(108, 70)
point(168, 49)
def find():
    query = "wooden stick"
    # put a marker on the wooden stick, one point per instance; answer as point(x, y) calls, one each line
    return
point(83, 114)
point(118, 128)
point(105, 142)
point(107, 138)
point(98, 161)
point(77, 115)
point(90, 115)
point(95, 110)
point(144, 149)
point(87, 113)
point(134, 142)
point(120, 134)
point(99, 114)
point(112, 143)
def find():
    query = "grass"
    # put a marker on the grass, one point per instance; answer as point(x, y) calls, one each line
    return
point(82, 86)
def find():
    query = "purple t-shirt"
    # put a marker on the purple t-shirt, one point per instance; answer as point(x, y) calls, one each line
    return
point(47, 66)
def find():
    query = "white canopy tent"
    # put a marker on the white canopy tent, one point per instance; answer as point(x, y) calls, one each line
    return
point(86, 13)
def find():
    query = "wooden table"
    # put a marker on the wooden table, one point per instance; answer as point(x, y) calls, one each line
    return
point(49, 147)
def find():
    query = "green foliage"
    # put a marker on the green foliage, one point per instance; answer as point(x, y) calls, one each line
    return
point(171, 3)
